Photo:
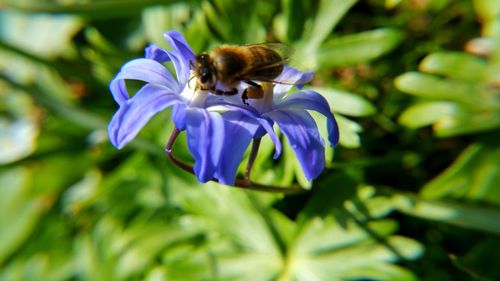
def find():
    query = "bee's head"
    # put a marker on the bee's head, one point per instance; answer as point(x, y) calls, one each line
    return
point(205, 71)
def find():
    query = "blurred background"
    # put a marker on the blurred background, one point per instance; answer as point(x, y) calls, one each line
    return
point(411, 193)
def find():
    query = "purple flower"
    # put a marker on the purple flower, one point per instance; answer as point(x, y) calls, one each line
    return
point(290, 113)
point(218, 129)
point(193, 110)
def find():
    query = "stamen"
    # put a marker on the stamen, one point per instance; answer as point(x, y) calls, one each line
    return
point(266, 102)
point(189, 81)
point(195, 96)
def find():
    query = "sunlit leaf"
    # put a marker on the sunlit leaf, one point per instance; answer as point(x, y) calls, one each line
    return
point(44, 35)
point(316, 257)
point(357, 48)
point(348, 131)
point(346, 103)
point(292, 20)
point(329, 14)
point(19, 209)
point(158, 19)
point(19, 128)
point(460, 66)
point(93, 8)
point(473, 122)
point(461, 214)
point(427, 113)
point(432, 87)
point(474, 176)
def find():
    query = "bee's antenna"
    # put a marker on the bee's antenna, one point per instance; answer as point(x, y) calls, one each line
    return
point(189, 82)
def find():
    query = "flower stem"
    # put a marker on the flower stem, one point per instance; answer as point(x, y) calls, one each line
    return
point(251, 159)
point(245, 183)
point(171, 157)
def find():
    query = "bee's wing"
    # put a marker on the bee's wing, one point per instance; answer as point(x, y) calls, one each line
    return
point(284, 50)
point(289, 76)
point(261, 73)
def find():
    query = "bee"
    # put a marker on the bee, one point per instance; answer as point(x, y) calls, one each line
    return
point(229, 65)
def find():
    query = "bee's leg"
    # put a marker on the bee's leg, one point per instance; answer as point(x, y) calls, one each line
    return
point(232, 92)
point(244, 96)
point(253, 84)
point(253, 92)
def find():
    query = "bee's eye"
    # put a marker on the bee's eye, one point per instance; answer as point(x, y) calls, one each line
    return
point(205, 75)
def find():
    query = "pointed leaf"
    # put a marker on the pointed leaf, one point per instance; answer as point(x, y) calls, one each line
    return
point(358, 48)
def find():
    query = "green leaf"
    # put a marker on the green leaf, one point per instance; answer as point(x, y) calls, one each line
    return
point(487, 10)
point(473, 122)
point(456, 65)
point(234, 27)
point(349, 132)
point(461, 214)
point(391, 4)
point(91, 8)
point(428, 113)
point(432, 87)
point(257, 232)
point(352, 254)
point(346, 103)
point(19, 209)
point(158, 19)
point(329, 14)
point(357, 48)
point(47, 36)
point(293, 18)
point(330, 193)
point(354, 245)
point(40, 266)
point(19, 133)
point(474, 176)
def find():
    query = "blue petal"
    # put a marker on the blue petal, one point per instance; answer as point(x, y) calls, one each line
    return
point(311, 100)
point(268, 127)
point(181, 55)
point(265, 123)
point(156, 53)
point(240, 129)
point(146, 70)
point(291, 76)
point(205, 134)
point(179, 116)
point(136, 112)
point(302, 133)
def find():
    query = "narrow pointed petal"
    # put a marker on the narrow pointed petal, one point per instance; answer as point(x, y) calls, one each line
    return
point(268, 127)
point(146, 70)
point(179, 116)
point(311, 100)
point(137, 111)
point(240, 130)
point(302, 133)
point(265, 123)
point(181, 55)
point(156, 53)
point(292, 77)
point(205, 134)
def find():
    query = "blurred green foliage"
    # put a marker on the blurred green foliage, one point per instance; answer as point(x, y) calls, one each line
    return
point(412, 193)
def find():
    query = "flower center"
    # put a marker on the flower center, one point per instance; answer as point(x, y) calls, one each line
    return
point(192, 93)
point(265, 104)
